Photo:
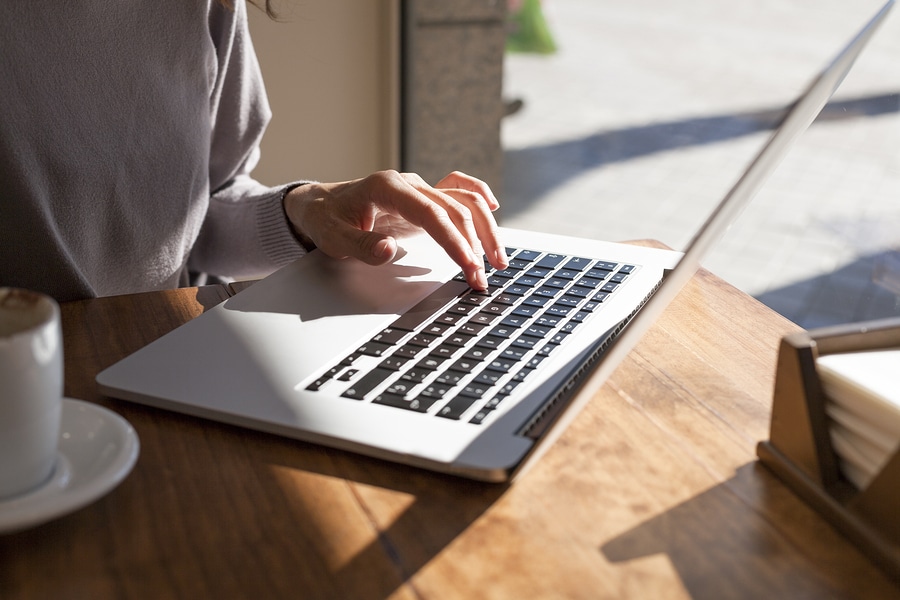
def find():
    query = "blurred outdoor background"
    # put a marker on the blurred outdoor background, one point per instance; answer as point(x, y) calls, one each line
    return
point(640, 115)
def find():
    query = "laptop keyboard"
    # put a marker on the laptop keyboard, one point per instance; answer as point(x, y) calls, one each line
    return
point(459, 353)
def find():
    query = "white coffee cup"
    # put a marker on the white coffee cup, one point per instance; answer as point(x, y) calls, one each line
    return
point(31, 386)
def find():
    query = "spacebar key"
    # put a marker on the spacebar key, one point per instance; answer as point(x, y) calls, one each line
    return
point(421, 404)
point(427, 308)
point(367, 383)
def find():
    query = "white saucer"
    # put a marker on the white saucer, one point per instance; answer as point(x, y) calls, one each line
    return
point(97, 449)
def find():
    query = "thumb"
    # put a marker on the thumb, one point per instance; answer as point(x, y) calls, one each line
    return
point(376, 248)
point(368, 246)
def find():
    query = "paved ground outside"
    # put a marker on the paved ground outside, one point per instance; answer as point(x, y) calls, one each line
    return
point(650, 110)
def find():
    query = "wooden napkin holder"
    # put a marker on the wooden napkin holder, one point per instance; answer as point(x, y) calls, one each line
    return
point(799, 449)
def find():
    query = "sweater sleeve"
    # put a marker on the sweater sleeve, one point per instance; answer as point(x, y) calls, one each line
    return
point(245, 232)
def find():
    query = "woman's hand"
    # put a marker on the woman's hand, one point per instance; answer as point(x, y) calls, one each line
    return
point(363, 218)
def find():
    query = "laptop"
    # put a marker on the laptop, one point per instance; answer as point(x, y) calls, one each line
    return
point(406, 363)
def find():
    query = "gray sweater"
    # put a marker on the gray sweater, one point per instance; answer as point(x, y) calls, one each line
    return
point(128, 131)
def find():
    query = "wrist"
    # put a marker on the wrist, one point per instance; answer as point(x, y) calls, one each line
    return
point(293, 202)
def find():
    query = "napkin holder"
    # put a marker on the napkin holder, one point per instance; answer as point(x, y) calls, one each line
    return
point(799, 449)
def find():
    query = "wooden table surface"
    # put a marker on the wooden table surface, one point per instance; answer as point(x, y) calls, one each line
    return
point(653, 492)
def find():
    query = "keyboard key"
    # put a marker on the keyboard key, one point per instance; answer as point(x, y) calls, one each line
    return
point(488, 378)
point(456, 407)
point(401, 387)
point(470, 328)
point(450, 377)
point(416, 375)
point(475, 299)
point(589, 283)
point(514, 320)
point(422, 339)
point(328, 376)
point(501, 365)
point(465, 365)
point(389, 336)
point(417, 404)
point(538, 272)
point(495, 308)
point(506, 299)
point(477, 354)
point(526, 311)
point(579, 292)
point(536, 301)
point(525, 341)
point(504, 331)
point(538, 331)
point(550, 261)
point(408, 351)
point(475, 389)
point(444, 351)
point(577, 263)
point(518, 264)
point(490, 342)
point(529, 255)
point(514, 353)
point(528, 281)
point(458, 339)
point(547, 291)
point(559, 310)
point(435, 391)
point(448, 318)
point(483, 318)
point(507, 273)
point(461, 308)
point(557, 282)
point(517, 290)
point(393, 363)
point(434, 303)
point(569, 274)
point(431, 363)
point(348, 375)
point(373, 349)
point(480, 416)
point(567, 300)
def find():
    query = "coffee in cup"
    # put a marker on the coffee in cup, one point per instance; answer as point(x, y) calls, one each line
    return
point(31, 386)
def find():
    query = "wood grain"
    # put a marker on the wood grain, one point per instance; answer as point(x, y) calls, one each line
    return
point(653, 492)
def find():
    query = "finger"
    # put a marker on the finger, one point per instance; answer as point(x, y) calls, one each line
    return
point(485, 226)
point(391, 193)
point(460, 180)
point(477, 195)
point(460, 214)
point(341, 235)
point(370, 247)
point(449, 222)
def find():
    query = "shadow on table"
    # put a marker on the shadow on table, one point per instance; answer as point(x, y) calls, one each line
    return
point(415, 514)
point(722, 547)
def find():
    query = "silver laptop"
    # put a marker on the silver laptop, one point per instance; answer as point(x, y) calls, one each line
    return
point(406, 363)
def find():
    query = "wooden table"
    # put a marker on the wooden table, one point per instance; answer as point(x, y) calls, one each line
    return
point(654, 491)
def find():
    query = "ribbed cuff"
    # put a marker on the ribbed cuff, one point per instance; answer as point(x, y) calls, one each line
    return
point(276, 236)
